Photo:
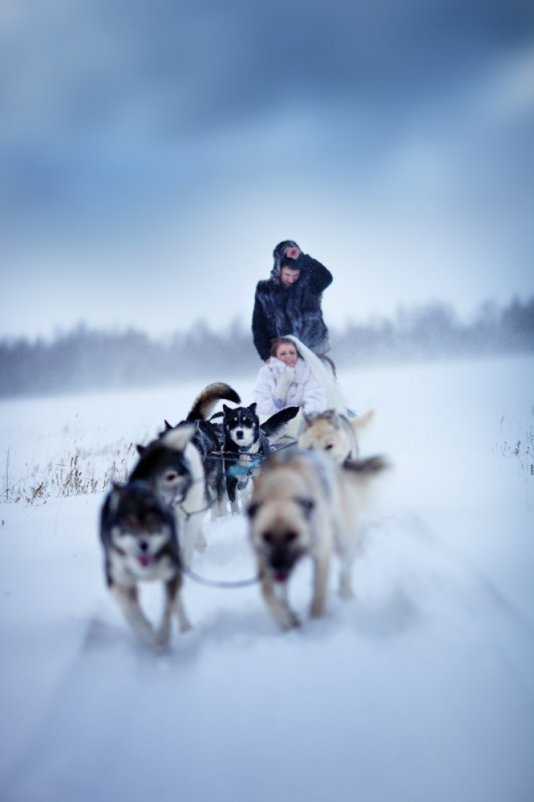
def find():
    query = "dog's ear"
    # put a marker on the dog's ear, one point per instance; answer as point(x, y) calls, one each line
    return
point(252, 406)
point(140, 449)
point(115, 496)
point(253, 508)
point(226, 409)
point(167, 428)
point(331, 415)
point(307, 504)
point(179, 437)
point(276, 422)
point(367, 466)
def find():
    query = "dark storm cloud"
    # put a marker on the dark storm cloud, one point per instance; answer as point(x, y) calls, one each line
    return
point(173, 68)
point(135, 136)
point(111, 109)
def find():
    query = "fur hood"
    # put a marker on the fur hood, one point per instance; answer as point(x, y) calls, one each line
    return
point(278, 254)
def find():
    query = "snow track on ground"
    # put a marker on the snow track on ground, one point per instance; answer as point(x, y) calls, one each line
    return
point(420, 688)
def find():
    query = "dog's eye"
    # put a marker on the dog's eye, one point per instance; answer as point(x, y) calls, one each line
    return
point(268, 537)
point(132, 526)
point(329, 446)
point(152, 524)
point(172, 476)
point(290, 536)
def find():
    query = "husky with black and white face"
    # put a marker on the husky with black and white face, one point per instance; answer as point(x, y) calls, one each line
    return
point(247, 444)
point(242, 427)
point(208, 439)
point(138, 535)
point(179, 467)
point(172, 467)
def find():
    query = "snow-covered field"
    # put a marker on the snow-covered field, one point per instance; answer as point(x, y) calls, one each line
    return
point(421, 689)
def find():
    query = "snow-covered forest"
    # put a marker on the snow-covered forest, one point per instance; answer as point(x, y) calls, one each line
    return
point(89, 359)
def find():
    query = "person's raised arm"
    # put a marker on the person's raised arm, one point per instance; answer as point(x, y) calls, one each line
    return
point(319, 276)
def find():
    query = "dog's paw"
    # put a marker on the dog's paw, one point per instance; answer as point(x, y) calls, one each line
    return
point(289, 621)
point(162, 639)
point(155, 641)
point(200, 544)
point(317, 610)
point(346, 592)
point(218, 510)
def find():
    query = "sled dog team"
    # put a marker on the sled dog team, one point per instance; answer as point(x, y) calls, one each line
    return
point(300, 501)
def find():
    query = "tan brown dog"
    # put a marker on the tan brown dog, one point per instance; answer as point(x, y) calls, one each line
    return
point(303, 504)
point(334, 433)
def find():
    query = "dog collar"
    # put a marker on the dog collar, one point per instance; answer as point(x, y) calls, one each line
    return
point(245, 452)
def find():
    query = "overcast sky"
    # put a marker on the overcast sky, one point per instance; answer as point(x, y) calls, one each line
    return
point(153, 153)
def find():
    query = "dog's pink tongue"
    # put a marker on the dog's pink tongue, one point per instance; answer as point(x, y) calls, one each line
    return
point(144, 559)
point(281, 576)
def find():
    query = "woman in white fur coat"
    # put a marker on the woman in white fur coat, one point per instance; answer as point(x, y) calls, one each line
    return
point(287, 380)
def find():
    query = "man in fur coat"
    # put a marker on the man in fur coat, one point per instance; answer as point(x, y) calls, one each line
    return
point(289, 302)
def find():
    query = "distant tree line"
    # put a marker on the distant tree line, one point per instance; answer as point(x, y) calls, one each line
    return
point(434, 331)
point(84, 359)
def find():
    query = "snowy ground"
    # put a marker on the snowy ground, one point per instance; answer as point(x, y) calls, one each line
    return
point(419, 690)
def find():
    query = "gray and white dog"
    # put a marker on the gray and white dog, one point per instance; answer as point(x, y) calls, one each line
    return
point(172, 467)
point(182, 470)
point(138, 535)
point(208, 438)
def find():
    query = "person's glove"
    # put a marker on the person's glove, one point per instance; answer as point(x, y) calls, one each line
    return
point(284, 382)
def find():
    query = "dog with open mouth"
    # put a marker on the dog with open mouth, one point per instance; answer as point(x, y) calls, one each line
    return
point(140, 543)
point(304, 505)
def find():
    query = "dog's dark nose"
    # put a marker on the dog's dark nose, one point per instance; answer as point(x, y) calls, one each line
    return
point(280, 559)
point(239, 434)
point(143, 545)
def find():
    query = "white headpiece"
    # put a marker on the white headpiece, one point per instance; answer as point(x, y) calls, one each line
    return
point(334, 396)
